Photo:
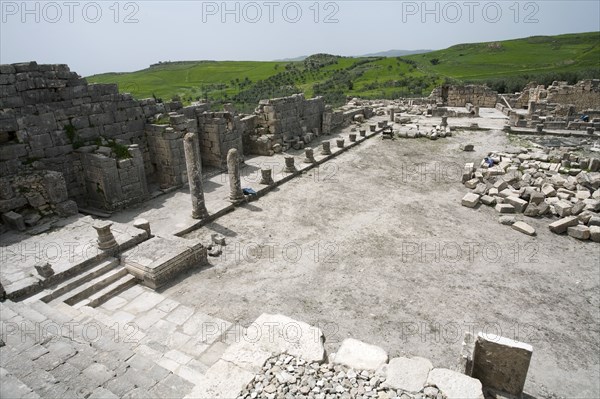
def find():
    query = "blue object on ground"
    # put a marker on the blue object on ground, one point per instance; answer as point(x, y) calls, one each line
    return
point(248, 191)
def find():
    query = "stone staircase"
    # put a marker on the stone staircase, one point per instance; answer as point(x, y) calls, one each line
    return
point(96, 285)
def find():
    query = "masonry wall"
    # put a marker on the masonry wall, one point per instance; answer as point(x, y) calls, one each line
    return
point(459, 96)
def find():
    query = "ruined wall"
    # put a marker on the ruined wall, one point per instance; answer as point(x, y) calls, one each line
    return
point(582, 96)
point(111, 182)
point(47, 112)
point(459, 96)
point(281, 123)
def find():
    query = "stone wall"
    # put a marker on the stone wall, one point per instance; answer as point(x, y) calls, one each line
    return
point(459, 96)
point(112, 183)
point(48, 113)
point(582, 96)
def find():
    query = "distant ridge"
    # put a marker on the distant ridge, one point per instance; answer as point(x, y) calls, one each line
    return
point(395, 53)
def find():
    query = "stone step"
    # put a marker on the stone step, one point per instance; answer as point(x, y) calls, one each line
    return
point(115, 288)
point(90, 287)
point(65, 286)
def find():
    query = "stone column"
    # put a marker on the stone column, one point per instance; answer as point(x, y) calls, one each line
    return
point(266, 177)
point(392, 114)
point(340, 143)
point(326, 148)
point(191, 148)
point(235, 183)
point(289, 165)
point(106, 240)
point(309, 156)
point(476, 111)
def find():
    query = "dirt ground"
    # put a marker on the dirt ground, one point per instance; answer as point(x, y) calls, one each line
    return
point(375, 245)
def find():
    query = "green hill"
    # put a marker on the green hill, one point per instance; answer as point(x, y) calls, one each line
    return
point(505, 66)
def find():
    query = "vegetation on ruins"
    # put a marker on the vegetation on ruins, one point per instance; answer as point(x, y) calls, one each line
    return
point(505, 66)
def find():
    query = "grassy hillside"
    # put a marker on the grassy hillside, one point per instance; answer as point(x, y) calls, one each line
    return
point(506, 66)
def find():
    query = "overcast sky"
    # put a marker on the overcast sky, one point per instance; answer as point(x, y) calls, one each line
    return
point(109, 36)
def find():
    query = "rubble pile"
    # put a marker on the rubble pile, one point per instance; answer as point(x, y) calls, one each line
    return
point(539, 184)
point(285, 376)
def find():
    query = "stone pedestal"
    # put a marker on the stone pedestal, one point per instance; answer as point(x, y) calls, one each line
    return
point(340, 143)
point(266, 177)
point(531, 108)
point(235, 184)
point(352, 137)
point(590, 130)
point(444, 121)
point(289, 165)
point(539, 128)
point(308, 155)
point(392, 114)
point(326, 148)
point(194, 171)
point(372, 128)
point(106, 240)
point(143, 224)
point(362, 132)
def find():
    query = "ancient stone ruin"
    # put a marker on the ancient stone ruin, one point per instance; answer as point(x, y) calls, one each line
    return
point(124, 222)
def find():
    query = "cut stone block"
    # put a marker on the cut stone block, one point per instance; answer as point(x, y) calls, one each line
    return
point(505, 208)
point(524, 228)
point(563, 208)
point(507, 220)
point(406, 374)
point(14, 220)
point(222, 380)
point(548, 190)
point(455, 385)
point(472, 183)
point(360, 356)
point(532, 210)
point(488, 200)
point(561, 225)
point(501, 363)
point(594, 234)
point(580, 232)
point(159, 260)
point(517, 202)
point(470, 200)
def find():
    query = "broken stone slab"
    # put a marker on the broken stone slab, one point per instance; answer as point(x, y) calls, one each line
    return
point(560, 226)
point(407, 374)
point(359, 355)
point(577, 208)
point(501, 363)
point(276, 334)
point(505, 208)
point(595, 233)
point(455, 385)
point(579, 232)
point(500, 185)
point(507, 220)
point(594, 221)
point(470, 200)
point(481, 189)
point(517, 203)
point(524, 228)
